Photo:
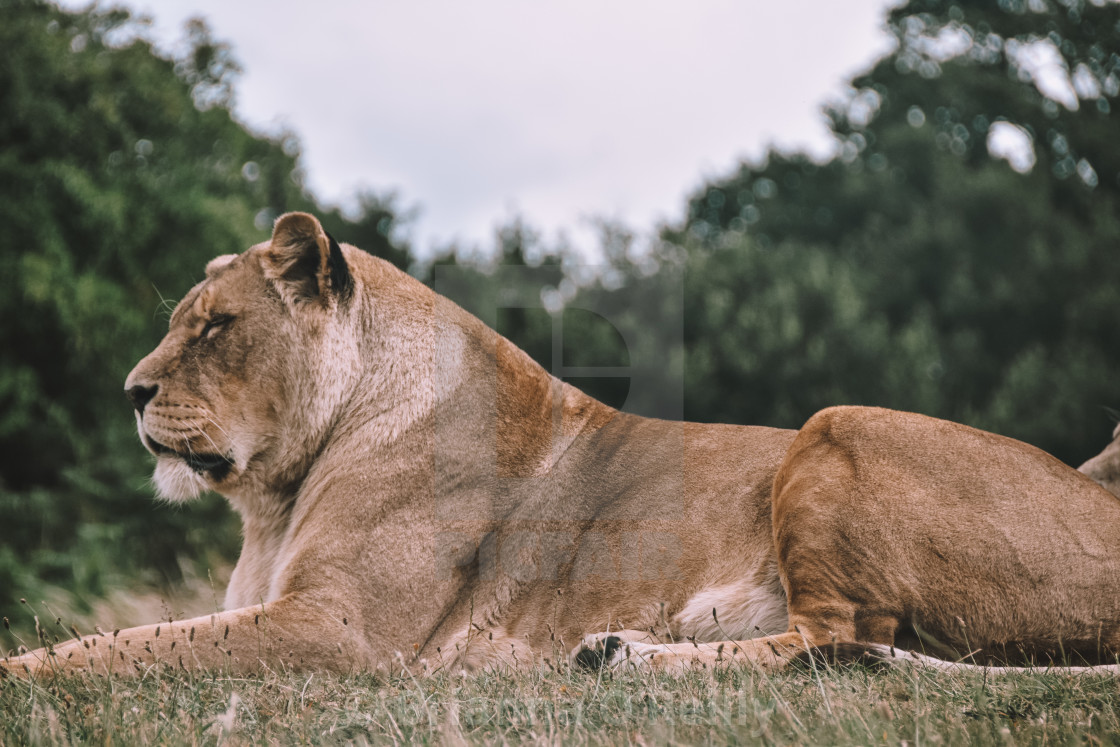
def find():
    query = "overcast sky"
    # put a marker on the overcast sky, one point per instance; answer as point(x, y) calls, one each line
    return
point(555, 109)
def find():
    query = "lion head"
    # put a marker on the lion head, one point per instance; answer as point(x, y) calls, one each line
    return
point(1104, 468)
point(223, 402)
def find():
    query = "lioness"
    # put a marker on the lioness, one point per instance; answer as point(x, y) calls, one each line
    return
point(417, 492)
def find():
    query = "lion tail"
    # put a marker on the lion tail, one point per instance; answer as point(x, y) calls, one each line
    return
point(879, 656)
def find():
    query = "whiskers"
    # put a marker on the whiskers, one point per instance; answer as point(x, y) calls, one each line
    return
point(167, 307)
point(204, 434)
point(183, 432)
point(229, 440)
point(193, 434)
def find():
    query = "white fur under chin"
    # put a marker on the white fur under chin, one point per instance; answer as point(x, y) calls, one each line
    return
point(175, 481)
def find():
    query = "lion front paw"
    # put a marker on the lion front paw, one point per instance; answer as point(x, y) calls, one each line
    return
point(609, 651)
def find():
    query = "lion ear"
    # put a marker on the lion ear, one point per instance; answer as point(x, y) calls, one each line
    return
point(305, 261)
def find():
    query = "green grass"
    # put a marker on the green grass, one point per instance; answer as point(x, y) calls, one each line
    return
point(836, 706)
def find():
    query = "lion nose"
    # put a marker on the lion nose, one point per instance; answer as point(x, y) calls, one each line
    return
point(141, 395)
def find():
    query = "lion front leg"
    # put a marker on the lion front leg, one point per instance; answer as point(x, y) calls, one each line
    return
point(288, 633)
point(769, 654)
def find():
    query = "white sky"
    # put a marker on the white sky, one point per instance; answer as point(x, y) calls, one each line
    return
point(559, 110)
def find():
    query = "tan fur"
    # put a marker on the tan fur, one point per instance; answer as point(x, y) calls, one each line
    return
point(899, 530)
point(416, 491)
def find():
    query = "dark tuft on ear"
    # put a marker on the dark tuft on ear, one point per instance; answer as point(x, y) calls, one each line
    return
point(341, 280)
point(306, 263)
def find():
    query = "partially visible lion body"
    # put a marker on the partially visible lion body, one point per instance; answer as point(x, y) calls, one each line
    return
point(896, 532)
point(417, 492)
point(987, 545)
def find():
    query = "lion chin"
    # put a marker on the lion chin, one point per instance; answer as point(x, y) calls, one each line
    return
point(175, 481)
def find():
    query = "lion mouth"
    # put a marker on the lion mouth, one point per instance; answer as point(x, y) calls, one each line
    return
point(218, 465)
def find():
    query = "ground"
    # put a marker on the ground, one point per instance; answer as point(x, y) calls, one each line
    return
point(812, 707)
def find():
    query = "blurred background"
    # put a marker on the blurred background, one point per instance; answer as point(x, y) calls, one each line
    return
point(942, 240)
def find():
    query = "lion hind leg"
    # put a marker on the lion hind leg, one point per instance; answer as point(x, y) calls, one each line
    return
point(875, 654)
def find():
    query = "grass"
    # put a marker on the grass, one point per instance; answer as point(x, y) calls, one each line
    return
point(822, 706)
point(830, 706)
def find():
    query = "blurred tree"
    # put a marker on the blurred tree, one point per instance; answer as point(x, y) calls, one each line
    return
point(916, 269)
point(208, 67)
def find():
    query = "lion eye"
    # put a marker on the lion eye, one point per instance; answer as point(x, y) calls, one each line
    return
point(215, 323)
